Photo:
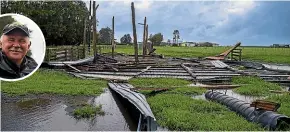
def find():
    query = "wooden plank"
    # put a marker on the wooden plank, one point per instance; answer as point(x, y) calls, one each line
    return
point(219, 64)
point(266, 105)
point(77, 70)
point(188, 70)
point(142, 71)
point(215, 86)
point(166, 73)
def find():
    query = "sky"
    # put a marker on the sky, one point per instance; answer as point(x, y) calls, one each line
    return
point(256, 23)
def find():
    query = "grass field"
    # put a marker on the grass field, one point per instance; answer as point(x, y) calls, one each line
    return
point(284, 100)
point(54, 82)
point(254, 86)
point(272, 55)
point(175, 109)
point(179, 112)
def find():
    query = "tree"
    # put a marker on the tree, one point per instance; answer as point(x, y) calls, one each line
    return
point(176, 36)
point(156, 39)
point(105, 36)
point(4, 21)
point(126, 39)
point(62, 22)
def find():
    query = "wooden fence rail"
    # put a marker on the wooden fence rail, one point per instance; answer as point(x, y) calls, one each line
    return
point(64, 53)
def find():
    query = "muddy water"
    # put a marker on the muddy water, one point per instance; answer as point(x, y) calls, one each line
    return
point(49, 113)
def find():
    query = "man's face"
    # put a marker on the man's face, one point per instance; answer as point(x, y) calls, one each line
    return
point(15, 46)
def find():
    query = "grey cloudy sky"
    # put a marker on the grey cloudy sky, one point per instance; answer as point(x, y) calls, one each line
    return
point(223, 22)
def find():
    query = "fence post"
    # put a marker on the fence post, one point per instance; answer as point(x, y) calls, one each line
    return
point(134, 33)
point(72, 53)
point(65, 54)
point(47, 55)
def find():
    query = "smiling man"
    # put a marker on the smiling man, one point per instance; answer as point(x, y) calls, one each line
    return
point(15, 43)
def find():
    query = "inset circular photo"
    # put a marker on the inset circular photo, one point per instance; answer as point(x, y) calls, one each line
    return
point(22, 47)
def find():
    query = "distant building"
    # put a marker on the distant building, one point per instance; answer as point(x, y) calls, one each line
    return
point(189, 44)
point(207, 44)
point(281, 45)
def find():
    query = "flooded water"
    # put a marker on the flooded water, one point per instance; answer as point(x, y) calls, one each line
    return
point(248, 99)
point(51, 113)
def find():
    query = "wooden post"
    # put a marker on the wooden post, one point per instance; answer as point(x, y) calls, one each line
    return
point(113, 37)
point(240, 57)
point(134, 33)
point(48, 54)
point(90, 28)
point(95, 27)
point(84, 39)
point(65, 53)
point(72, 53)
point(144, 39)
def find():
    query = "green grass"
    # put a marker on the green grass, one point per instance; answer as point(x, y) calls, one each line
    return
point(255, 86)
point(273, 55)
point(158, 82)
point(88, 111)
point(179, 112)
point(284, 100)
point(53, 82)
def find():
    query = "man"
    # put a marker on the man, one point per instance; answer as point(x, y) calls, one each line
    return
point(15, 43)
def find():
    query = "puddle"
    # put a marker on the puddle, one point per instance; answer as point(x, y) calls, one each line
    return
point(248, 99)
point(54, 113)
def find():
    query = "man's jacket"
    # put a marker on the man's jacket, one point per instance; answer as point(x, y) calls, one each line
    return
point(9, 70)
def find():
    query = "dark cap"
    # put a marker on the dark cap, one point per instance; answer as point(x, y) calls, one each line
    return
point(15, 25)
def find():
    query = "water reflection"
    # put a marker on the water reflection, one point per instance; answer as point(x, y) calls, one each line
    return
point(54, 113)
point(246, 98)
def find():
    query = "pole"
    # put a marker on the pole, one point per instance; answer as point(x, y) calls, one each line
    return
point(95, 27)
point(146, 40)
point(134, 33)
point(113, 37)
point(144, 35)
point(84, 39)
point(90, 27)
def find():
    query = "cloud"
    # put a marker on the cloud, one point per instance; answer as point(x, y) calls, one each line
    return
point(224, 22)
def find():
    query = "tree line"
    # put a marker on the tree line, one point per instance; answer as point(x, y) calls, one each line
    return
point(62, 22)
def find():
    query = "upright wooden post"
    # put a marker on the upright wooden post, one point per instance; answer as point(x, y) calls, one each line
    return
point(113, 37)
point(90, 27)
point(134, 33)
point(85, 38)
point(144, 39)
point(95, 26)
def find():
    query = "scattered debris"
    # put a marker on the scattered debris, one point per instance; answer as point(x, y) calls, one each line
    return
point(223, 55)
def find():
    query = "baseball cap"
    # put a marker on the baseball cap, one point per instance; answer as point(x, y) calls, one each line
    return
point(15, 25)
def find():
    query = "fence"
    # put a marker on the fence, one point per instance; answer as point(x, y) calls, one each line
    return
point(64, 53)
